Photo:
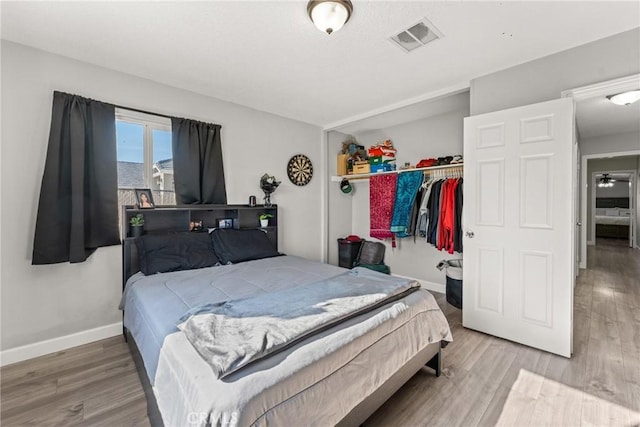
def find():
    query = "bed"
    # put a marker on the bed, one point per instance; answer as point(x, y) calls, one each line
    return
point(613, 222)
point(338, 376)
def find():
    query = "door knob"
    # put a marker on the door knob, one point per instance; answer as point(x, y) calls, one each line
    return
point(579, 224)
point(470, 234)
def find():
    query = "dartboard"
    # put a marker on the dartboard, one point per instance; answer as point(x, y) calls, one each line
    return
point(300, 169)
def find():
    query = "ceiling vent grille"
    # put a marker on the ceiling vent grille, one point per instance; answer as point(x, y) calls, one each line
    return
point(416, 36)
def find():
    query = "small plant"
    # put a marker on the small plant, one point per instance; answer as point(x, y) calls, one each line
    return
point(137, 220)
point(265, 216)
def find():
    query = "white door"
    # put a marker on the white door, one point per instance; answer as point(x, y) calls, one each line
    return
point(519, 224)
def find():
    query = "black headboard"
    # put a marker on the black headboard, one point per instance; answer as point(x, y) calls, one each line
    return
point(171, 219)
point(612, 202)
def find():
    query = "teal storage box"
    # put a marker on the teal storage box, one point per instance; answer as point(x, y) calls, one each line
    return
point(384, 167)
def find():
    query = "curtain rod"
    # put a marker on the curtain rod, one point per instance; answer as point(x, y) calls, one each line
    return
point(137, 110)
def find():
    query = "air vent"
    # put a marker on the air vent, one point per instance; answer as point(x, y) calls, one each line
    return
point(416, 36)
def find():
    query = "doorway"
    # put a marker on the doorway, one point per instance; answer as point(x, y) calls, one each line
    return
point(613, 216)
point(606, 132)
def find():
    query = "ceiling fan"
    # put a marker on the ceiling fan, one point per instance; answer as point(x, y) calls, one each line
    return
point(606, 181)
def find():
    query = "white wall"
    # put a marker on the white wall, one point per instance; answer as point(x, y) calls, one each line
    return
point(604, 165)
point(620, 189)
point(340, 211)
point(431, 137)
point(46, 302)
point(545, 78)
point(620, 142)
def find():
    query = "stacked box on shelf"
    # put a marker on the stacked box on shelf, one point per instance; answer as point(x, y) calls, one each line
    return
point(342, 164)
point(361, 167)
point(382, 167)
point(382, 157)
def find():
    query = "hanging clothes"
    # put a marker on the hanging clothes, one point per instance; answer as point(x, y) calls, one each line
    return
point(406, 205)
point(434, 212)
point(446, 230)
point(415, 211)
point(406, 190)
point(440, 220)
point(457, 239)
point(423, 220)
point(382, 195)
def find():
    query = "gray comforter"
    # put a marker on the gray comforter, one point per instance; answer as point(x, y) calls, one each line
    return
point(231, 334)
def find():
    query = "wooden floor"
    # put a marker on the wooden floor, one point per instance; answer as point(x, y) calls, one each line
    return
point(489, 381)
point(486, 380)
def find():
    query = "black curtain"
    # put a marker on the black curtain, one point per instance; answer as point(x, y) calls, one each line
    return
point(197, 162)
point(78, 208)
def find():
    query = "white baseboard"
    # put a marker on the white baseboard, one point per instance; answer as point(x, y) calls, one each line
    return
point(430, 286)
point(29, 351)
point(591, 242)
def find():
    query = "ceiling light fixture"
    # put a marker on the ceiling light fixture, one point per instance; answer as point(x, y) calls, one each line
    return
point(605, 181)
point(625, 98)
point(329, 15)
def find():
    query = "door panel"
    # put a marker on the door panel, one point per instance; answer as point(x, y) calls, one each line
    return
point(518, 257)
point(536, 279)
point(490, 280)
point(536, 204)
point(491, 192)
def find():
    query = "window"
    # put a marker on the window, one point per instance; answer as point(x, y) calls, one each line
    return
point(145, 158)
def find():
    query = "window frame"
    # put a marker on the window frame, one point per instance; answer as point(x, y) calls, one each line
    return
point(150, 123)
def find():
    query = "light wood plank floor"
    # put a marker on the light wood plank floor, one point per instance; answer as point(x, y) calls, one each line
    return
point(486, 380)
point(489, 381)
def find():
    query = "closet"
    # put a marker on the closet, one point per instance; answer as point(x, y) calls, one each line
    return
point(431, 128)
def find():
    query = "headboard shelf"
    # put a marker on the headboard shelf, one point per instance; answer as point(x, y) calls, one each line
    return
point(172, 219)
point(612, 202)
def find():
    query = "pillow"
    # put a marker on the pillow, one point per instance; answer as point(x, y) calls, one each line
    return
point(611, 212)
point(174, 252)
point(233, 245)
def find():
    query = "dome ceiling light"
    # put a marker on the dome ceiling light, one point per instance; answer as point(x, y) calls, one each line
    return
point(329, 15)
point(625, 98)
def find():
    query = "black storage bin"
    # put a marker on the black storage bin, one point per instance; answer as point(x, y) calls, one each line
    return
point(348, 252)
point(454, 281)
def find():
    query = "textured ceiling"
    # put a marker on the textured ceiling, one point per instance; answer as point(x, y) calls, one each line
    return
point(269, 56)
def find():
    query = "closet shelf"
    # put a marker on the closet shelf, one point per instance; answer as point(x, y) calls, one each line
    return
point(355, 177)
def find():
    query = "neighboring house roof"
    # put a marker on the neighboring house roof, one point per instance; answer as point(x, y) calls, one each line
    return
point(165, 165)
point(130, 174)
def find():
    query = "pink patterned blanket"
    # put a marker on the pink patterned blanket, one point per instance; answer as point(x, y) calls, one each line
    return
point(382, 194)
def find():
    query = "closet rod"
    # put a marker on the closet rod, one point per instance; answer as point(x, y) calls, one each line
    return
point(356, 177)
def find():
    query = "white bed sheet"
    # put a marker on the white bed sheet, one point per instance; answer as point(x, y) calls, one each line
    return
point(321, 378)
point(612, 220)
point(316, 383)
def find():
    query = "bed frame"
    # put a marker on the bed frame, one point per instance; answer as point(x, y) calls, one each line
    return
point(165, 220)
point(612, 231)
